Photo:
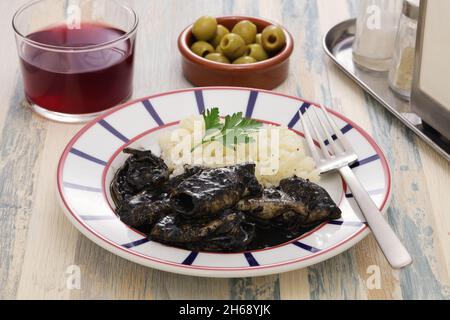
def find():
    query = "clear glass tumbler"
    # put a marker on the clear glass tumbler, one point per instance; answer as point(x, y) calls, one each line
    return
point(376, 29)
point(402, 69)
point(76, 56)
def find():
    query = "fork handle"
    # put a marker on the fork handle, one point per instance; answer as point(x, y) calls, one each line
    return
point(390, 244)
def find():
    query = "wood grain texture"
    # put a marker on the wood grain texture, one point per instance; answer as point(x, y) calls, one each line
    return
point(19, 163)
point(50, 233)
point(38, 244)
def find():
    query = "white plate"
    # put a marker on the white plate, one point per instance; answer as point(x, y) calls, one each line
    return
point(95, 153)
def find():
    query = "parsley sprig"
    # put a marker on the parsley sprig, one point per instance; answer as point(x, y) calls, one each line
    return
point(233, 131)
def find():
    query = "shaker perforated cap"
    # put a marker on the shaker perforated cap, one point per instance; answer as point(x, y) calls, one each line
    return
point(411, 9)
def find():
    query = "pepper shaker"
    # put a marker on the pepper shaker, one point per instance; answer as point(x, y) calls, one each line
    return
point(402, 69)
point(376, 29)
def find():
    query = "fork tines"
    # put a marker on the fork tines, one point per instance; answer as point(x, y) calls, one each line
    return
point(325, 132)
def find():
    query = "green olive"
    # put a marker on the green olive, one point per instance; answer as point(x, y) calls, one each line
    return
point(273, 39)
point(258, 52)
point(245, 60)
point(217, 57)
point(258, 39)
point(220, 33)
point(233, 46)
point(219, 50)
point(205, 28)
point(202, 48)
point(247, 30)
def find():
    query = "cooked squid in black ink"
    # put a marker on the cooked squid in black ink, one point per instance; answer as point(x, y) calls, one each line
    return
point(142, 171)
point(215, 210)
point(212, 191)
point(227, 232)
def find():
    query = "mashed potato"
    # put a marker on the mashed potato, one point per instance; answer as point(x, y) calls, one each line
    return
point(277, 152)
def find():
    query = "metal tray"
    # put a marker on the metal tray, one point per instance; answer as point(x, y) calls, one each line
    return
point(338, 44)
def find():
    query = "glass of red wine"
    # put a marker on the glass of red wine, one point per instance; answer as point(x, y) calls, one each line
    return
point(76, 56)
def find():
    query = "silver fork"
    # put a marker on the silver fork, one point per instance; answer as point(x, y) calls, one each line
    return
point(338, 158)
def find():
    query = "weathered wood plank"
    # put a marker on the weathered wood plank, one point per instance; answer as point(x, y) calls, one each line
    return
point(51, 241)
point(262, 288)
point(178, 287)
point(21, 142)
point(437, 173)
point(411, 213)
point(106, 276)
point(9, 62)
point(295, 285)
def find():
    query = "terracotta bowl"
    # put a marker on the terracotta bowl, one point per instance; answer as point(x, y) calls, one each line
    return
point(264, 75)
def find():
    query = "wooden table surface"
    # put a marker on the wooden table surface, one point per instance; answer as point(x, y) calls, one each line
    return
point(38, 244)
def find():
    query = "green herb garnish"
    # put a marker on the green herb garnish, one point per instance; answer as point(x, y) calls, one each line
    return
point(233, 131)
point(212, 121)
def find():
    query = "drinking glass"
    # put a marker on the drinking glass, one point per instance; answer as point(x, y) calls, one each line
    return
point(76, 56)
point(376, 29)
point(402, 69)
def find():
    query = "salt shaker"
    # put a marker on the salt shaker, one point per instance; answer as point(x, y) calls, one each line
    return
point(402, 69)
point(376, 29)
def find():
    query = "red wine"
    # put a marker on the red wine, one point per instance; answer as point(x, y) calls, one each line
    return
point(78, 82)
